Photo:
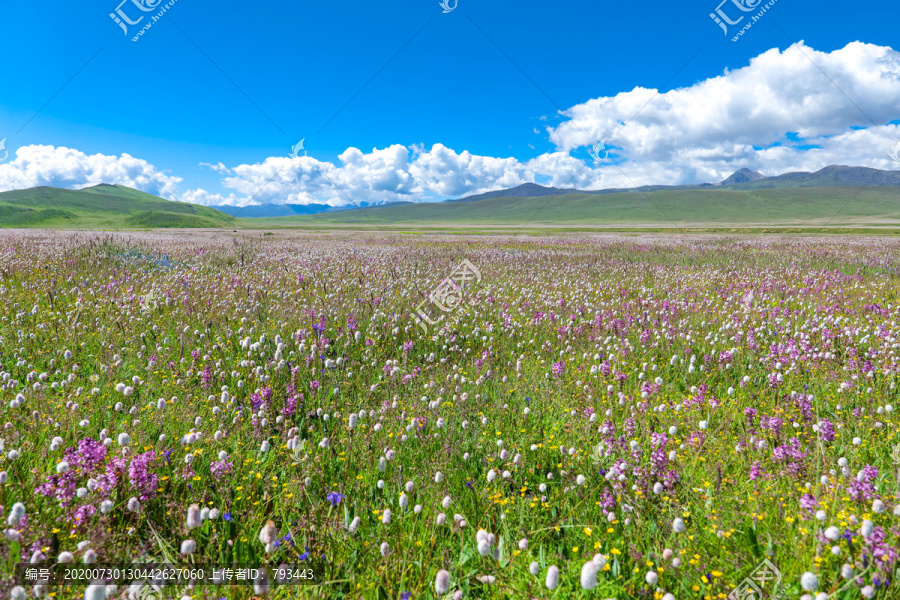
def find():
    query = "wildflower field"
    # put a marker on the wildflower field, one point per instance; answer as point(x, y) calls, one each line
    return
point(595, 417)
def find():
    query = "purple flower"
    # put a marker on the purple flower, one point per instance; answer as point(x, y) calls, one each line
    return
point(206, 377)
point(227, 516)
point(335, 498)
point(558, 369)
point(140, 476)
point(220, 468)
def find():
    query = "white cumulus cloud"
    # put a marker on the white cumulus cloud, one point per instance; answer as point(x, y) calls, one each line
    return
point(68, 168)
point(705, 131)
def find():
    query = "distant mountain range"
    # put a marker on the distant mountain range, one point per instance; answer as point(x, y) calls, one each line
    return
point(293, 210)
point(833, 196)
point(851, 194)
point(742, 179)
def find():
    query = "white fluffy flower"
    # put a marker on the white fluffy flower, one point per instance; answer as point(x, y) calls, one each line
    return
point(809, 582)
point(442, 582)
point(15, 514)
point(95, 591)
point(589, 575)
point(552, 578)
point(268, 533)
point(193, 516)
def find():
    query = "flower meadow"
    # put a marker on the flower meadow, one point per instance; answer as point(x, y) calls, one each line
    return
point(602, 417)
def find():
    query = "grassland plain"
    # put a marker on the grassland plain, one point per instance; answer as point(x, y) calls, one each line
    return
point(809, 207)
point(621, 417)
point(859, 210)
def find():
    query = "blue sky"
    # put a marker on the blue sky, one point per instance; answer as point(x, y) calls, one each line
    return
point(240, 83)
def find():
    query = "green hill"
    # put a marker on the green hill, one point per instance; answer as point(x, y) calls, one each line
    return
point(117, 207)
point(104, 207)
point(806, 206)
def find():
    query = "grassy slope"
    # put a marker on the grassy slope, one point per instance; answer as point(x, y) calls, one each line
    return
point(103, 206)
point(116, 207)
point(791, 206)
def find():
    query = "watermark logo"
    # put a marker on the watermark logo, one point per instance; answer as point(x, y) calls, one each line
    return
point(447, 296)
point(445, 4)
point(598, 152)
point(295, 150)
point(895, 152)
point(149, 302)
point(123, 18)
point(723, 20)
point(3, 153)
point(760, 584)
point(145, 591)
point(748, 299)
point(895, 454)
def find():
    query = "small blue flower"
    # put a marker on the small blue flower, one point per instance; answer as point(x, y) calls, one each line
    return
point(227, 516)
point(335, 498)
point(405, 595)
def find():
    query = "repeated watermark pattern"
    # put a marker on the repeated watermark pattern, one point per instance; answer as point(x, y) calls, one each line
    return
point(296, 148)
point(895, 454)
point(760, 584)
point(599, 152)
point(445, 4)
point(4, 154)
point(149, 302)
point(895, 153)
point(447, 296)
point(123, 19)
point(723, 20)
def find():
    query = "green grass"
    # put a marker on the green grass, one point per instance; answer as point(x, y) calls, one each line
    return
point(270, 316)
point(869, 210)
point(809, 207)
point(104, 207)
